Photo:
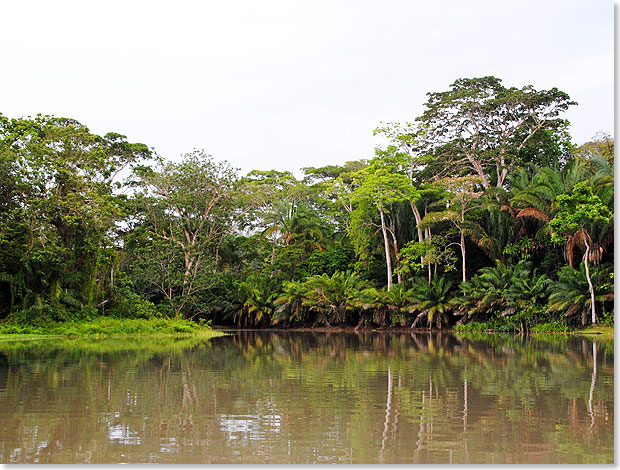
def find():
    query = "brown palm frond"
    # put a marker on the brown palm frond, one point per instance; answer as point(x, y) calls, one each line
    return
point(574, 309)
point(577, 240)
point(596, 254)
point(533, 212)
point(506, 207)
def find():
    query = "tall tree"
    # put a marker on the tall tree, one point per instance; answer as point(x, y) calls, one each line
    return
point(460, 195)
point(63, 208)
point(378, 188)
point(190, 206)
point(480, 127)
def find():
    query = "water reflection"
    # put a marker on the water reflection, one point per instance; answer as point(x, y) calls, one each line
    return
point(284, 397)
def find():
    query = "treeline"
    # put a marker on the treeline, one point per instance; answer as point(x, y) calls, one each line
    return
point(480, 210)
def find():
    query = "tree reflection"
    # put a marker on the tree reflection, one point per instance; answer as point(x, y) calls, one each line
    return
point(284, 397)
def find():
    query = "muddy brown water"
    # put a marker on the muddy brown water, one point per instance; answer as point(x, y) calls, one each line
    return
point(308, 397)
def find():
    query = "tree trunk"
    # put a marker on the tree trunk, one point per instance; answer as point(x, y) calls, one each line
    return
point(396, 252)
point(462, 230)
point(386, 243)
point(418, 219)
point(463, 255)
point(590, 286)
point(427, 236)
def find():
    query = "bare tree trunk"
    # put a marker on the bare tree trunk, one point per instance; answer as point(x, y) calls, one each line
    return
point(463, 255)
point(590, 286)
point(427, 236)
point(217, 258)
point(461, 229)
point(418, 219)
point(392, 231)
point(386, 243)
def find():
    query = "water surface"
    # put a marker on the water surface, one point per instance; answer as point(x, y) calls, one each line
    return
point(277, 397)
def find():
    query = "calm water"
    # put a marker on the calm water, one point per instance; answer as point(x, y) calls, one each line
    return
point(258, 397)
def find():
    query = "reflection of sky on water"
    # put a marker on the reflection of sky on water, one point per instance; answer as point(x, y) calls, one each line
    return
point(123, 435)
point(169, 446)
point(118, 432)
point(249, 427)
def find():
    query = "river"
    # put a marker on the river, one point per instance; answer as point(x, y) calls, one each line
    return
point(305, 397)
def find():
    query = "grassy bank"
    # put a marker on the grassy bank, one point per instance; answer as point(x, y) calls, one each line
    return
point(105, 326)
point(542, 328)
point(601, 331)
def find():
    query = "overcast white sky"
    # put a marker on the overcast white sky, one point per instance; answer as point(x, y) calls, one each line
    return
point(287, 84)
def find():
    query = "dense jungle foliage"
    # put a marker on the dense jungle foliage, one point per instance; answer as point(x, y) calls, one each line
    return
point(480, 210)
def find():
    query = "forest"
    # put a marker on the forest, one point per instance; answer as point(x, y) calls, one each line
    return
point(481, 213)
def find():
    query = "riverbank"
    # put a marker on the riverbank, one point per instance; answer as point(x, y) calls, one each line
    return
point(114, 327)
point(603, 331)
point(109, 327)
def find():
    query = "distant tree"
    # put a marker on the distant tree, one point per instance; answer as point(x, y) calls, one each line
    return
point(601, 144)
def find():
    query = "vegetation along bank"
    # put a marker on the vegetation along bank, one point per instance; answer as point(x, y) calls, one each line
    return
point(482, 212)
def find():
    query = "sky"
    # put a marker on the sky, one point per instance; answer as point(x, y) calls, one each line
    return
point(286, 84)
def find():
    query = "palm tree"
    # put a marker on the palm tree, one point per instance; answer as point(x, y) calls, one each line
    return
point(433, 301)
point(289, 304)
point(527, 287)
point(535, 199)
point(485, 293)
point(255, 297)
point(385, 304)
point(370, 305)
point(289, 223)
point(332, 297)
point(503, 289)
point(571, 293)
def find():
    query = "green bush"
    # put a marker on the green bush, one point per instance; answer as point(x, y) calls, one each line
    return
point(473, 326)
point(106, 326)
point(551, 327)
point(129, 304)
